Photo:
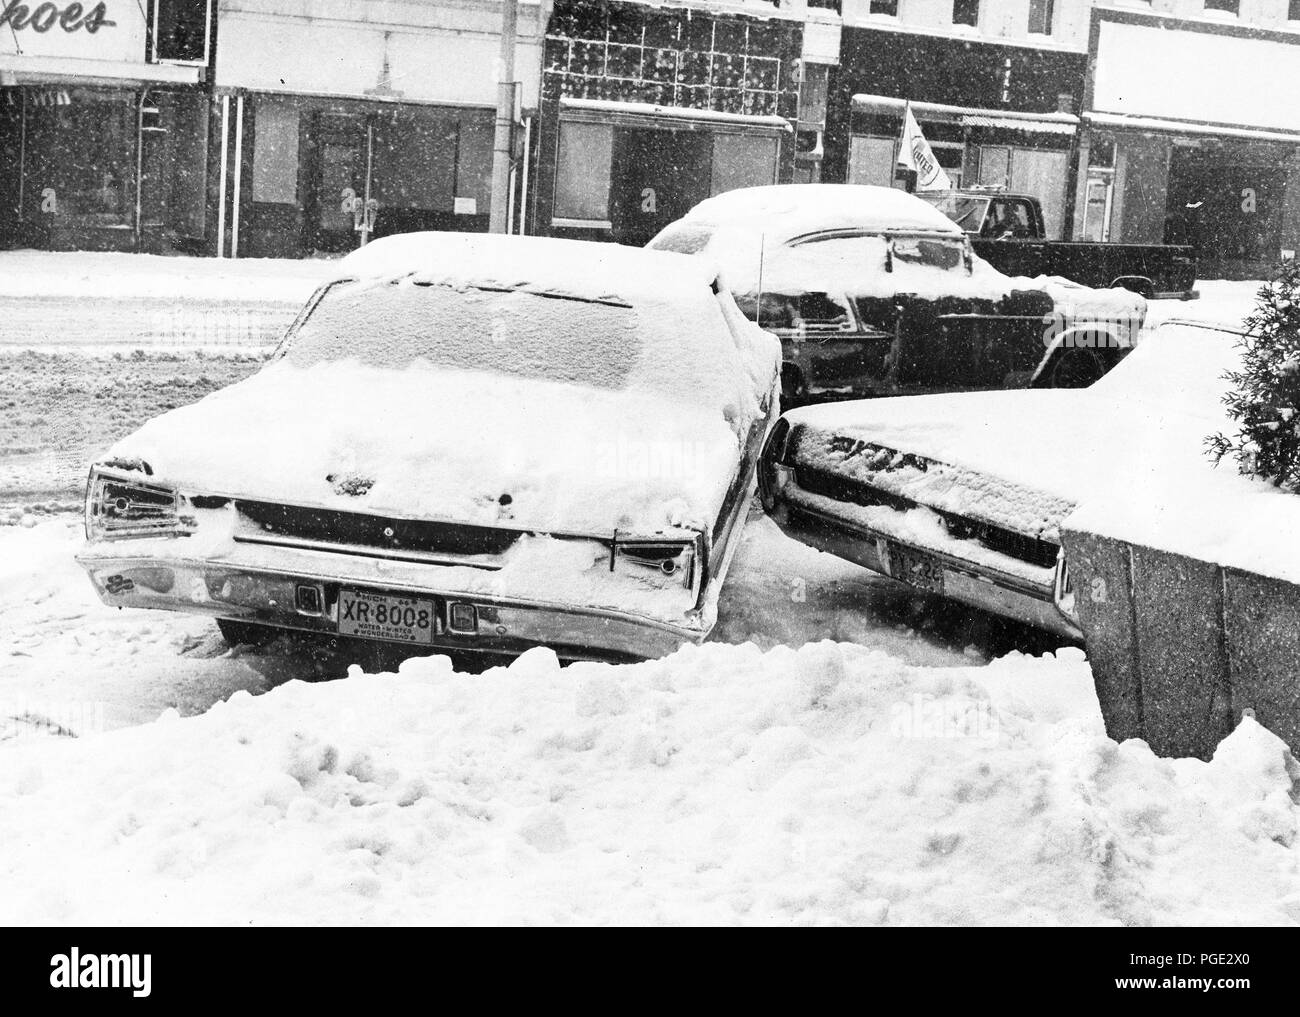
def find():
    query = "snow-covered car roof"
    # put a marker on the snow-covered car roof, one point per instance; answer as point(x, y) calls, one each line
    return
point(572, 268)
point(794, 209)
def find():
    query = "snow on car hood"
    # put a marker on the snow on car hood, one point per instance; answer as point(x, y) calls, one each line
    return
point(1024, 459)
point(462, 445)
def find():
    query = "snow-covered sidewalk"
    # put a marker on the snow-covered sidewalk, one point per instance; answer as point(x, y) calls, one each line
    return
point(83, 275)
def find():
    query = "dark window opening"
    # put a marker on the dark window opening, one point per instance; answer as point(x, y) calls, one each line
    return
point(181, 30)
point(1041, 15)
point(1229, 6)
point(886, 7)
point(966, 12)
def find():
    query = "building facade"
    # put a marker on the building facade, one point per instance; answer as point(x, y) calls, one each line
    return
point(1193, 135)
point(344, 121)
point(276, 128)
point(104, 125)
point(647, 109)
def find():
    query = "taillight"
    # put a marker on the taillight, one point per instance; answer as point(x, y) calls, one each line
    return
point(1063, 589)
point(673, 561)
point(120, 503)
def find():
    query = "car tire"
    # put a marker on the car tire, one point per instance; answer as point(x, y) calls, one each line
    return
point(1074, 368)
point(239, 633)
point(793, 389)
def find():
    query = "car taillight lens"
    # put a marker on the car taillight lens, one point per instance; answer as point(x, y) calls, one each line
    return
point(664, 565)
point(1063, 589)
point(122, 504)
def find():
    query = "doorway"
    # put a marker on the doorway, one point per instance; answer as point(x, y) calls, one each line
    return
point(343, 176)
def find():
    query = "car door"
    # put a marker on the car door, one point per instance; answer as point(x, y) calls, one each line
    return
point(835, 349)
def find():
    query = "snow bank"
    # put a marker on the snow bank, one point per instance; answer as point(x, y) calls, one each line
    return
point(127, 277)
point(832, 784)
point(1188, 506)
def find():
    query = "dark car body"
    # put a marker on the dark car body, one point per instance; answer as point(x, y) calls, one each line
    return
point(1008, 231)
point(874, 293)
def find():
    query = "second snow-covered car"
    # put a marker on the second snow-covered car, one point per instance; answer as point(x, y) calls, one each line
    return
point(475, 443)
point(963, 495)
point(874, 292)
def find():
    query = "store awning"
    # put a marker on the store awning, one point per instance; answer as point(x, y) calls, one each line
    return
point(639, 112)
point(1161, 126)
point(971, 116)
point(43, 70)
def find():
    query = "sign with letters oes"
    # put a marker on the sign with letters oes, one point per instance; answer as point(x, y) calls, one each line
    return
point(112, 30)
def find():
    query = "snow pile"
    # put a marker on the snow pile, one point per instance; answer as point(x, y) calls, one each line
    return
point(1187, 506)
point(832, 784)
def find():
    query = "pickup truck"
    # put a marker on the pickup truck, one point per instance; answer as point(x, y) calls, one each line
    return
point(1007, 231)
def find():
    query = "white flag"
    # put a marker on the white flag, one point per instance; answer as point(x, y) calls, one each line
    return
point(915, 153)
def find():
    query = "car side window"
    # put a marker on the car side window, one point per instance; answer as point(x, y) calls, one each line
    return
point(822, 312)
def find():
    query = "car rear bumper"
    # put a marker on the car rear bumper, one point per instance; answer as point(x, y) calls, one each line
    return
point(986, 589)
point(249, 588)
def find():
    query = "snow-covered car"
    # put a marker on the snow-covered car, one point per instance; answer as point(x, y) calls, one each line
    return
point(962, 495)
point(874, 292)
point(475, 443)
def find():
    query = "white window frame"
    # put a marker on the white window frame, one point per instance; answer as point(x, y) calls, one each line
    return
point(207, 38)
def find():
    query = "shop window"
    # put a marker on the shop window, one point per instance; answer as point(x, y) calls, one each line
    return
point(966, 12)
point(1041, 15)
point(871, 160)
point(995, 166)
point(414, 164)
point(81, 159)
point(742, 160)
point(474, 167)
point(951, 156)
point(1226, 6)
point(1102, 155)
point(582, 172)
point(889, 8)
point(1039, 173)
point(180, 31)
point(275, 154)
point(812, 95)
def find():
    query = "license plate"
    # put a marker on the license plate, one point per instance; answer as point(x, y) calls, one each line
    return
point(921, 571)
point(384, 616)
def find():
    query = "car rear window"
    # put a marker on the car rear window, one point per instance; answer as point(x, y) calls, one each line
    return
point(395, 324)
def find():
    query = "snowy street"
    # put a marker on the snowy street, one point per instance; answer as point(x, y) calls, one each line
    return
point(843, 750)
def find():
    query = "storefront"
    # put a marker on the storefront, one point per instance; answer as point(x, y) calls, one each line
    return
point(648, 110)
point(1170, 155)
point(363, 121)
point(996, 115)
point(104, 126)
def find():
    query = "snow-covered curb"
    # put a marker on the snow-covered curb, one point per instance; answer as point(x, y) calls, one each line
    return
point(832, 784)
